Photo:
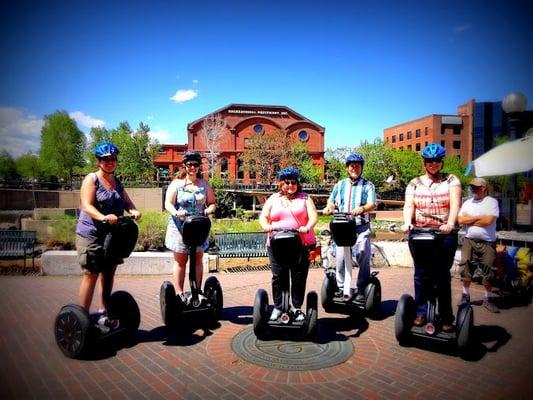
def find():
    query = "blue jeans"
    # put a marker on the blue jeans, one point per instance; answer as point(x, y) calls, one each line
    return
point(432, 263)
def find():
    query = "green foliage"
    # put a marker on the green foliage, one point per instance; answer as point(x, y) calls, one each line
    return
point(29, 166)
point(235, 225)
point(225, 199)
point(62, 232)
point(455, 166)
point(136, 151)
point(152, 230)
point(62, 146)
point(379, 163)
point(8, 168)
point(407, 165)
point(299, 158)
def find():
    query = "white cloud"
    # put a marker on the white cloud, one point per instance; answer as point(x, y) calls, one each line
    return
point(149, 117)
point(162, 135)
point(183, 95)
point(86, 120)
point(461, 28)
point(20, 132)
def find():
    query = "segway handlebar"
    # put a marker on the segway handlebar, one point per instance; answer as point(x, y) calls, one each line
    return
point(427, 229)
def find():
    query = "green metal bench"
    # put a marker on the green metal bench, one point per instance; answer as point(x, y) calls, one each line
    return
point(240, 245)
point(17, 244)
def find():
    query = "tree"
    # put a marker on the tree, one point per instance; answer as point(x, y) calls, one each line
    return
point(379, 164)
point(29, 166)
point(8, 169)
point(265, 153)
point(62, 145)
point(212, 132)
point(299, 157)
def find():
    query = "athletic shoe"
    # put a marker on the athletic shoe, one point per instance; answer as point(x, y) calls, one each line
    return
point(299, 315)
point(465, 298)
point(360, 297)
point(105, 324)
point(276, 313)
point(489, 305)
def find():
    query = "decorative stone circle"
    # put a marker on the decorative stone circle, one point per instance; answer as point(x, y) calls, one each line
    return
point(290, 356)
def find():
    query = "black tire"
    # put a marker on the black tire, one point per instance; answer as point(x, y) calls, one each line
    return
point(327, 291)
point(213, 292)
point(72, 330)
point(404, 318)
point(260, 314)
point(464, 327)
point(122, 306)
point(311, 314)
point(167, 301)
point(373, 298)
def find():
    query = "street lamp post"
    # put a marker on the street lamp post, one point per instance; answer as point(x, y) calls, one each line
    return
point(514, 104)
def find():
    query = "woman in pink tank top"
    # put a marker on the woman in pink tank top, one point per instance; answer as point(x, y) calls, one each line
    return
point(290, 208)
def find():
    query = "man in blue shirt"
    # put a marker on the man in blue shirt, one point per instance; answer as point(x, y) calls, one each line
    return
point(357, 196)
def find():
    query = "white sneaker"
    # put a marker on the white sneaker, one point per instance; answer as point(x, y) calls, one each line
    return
point(105, 324)
point(276, 313)
point(299, 315)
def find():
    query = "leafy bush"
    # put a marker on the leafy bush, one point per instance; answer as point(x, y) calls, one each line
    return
point(62, 233)
point(152, 229)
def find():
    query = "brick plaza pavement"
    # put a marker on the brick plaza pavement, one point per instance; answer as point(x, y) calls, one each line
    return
point(203, 366)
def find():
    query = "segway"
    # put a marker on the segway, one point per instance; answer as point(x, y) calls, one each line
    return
point(76, 331)
point(423, 242)
point(287, 249)
point(194, 306)
point(343, 229)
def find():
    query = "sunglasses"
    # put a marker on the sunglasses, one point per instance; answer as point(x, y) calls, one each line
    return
point(290, 182)
point(108, 159)
point(432, 160)
point(192, 164)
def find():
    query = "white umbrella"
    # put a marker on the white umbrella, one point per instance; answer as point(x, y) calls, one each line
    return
point(508, 158)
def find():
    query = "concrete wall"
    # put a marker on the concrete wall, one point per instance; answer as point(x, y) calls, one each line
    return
point(19, 199)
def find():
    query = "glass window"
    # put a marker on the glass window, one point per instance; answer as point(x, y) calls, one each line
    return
point(442, 143)
point(401, 137)
point(417, 147)
point(409, 135)
point(456, 144)
point(426, 131)
point(393, 138)
point(303, 136)
point(409, 147)
point(252, 169)
point(258, 128)
point(224, 166)
point(240, 171)
point(417, 133)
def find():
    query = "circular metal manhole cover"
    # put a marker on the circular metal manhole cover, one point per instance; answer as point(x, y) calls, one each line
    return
point(290, 356)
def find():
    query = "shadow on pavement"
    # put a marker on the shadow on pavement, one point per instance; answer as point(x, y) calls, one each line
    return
point(241, 315)
point(388, 309)
point(329, 328)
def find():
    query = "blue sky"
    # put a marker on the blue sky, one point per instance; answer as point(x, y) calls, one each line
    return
point(354, 67)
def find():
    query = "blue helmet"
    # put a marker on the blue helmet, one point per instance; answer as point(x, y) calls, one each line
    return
point(354, 158)
point(105, 149)
point(192, 155)
point(433, 150)
point(289, 173)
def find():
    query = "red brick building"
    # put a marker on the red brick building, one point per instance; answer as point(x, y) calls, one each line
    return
point(454, 132)
point(241, 122)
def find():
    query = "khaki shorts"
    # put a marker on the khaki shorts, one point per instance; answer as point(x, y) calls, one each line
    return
point(91, 255)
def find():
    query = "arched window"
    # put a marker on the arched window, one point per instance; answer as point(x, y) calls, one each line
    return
point(240, 170)
point(224, 167)
point(252, 169)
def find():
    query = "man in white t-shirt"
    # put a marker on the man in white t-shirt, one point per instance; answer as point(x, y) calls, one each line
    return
point(478, 214)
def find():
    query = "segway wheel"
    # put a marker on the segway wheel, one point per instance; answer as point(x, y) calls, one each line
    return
point(312, 314)
point(72, 330)
point(213, 292)
point(464, 327)
point(327, 291)
point(404, 318)
point(373, 298)
point(167, 301)
point(122, 306)
point(260, 314)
